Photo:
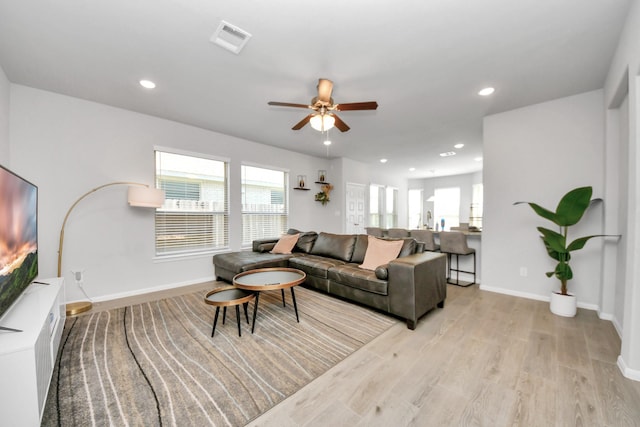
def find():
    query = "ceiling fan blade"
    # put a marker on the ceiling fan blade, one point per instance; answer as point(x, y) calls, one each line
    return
point(324, 90)
point(302, 122)
point(287, 104)
point(371, 105)
point(342, 126)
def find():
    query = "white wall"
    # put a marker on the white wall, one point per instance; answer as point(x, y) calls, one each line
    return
point(4, 119)
point(537, 154)
point(622, 82)
point(68, 146)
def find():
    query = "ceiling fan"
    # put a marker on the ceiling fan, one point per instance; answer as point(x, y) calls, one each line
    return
point(323, 118)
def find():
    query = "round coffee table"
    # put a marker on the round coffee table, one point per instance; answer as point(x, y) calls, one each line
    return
point(229, 296)
point(267, 279)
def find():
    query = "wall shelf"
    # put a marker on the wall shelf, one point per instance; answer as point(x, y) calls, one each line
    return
point(301, 188)
point(323, 182)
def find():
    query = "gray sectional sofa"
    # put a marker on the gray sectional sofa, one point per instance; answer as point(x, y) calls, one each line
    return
point(407, 287)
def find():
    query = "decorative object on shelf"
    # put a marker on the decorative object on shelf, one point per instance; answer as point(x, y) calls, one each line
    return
point(429, 216)
point(139, 195)
point(323, 196)
point(442, 223)
point(301, 181)
point(569, 211)
point(322, 175)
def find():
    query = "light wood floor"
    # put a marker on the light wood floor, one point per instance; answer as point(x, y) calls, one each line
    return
point(486, 359)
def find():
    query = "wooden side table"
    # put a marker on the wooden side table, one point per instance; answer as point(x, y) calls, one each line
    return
point(226, 297)
point(266, 279)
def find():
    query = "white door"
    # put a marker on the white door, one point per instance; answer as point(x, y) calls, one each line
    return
point(355, 208)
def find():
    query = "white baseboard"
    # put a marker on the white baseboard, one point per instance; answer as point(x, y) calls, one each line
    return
point(153, 289)
point(514, 293)
point(632, 374)
point(536, 297)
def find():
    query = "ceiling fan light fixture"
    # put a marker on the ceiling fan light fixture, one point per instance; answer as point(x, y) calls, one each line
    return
point(322, 122)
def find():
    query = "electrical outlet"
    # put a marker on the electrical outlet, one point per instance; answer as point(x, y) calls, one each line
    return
point(78, 275)
point(523, 271)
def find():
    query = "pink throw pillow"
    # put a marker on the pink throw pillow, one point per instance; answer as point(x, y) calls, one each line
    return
point(285, 244)
point(380, 252)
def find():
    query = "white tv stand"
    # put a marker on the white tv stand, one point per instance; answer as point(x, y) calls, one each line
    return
point(27, 358)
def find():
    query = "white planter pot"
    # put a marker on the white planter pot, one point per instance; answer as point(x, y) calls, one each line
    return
point(563, 305)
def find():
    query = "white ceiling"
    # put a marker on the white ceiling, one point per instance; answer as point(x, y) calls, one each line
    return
point(423, 61)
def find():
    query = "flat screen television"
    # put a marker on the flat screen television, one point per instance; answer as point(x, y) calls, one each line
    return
point(18, 236)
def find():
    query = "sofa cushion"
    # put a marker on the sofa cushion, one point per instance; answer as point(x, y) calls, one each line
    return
point(380, 252)
point(265, 247)
point(353, 276)
point(362, 241)
point(315, 265)
point(285, 244)
point(338, 246)
point(408, 247)
point(305, 240)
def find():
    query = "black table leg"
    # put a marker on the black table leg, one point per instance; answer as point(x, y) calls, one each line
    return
point(215, 320)
point(255, 311)
point(246, 313)
point(295, 306)
point(283, 303)
point(224, 314)
point(238, 319)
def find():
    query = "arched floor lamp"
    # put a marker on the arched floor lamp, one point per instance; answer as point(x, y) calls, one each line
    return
point(139, 195)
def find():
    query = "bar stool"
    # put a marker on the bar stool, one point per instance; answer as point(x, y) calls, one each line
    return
point(455, 243)
point(374, 231)
point(397, 233)
point(426, 237)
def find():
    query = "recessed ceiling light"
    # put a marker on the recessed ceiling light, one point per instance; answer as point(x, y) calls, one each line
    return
point(383, 160)
point(327, 142)
point(448, 153)
point(486, 91)
point(458, 146)
point(147, 84)
point(412, 169)
point(478, 159)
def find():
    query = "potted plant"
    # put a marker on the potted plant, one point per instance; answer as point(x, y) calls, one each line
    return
point(570, 210)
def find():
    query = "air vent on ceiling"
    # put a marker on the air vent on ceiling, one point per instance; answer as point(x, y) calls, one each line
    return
point(230, 37)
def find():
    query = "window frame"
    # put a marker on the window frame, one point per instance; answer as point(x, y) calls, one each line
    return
point(246, 244)
point(217, 216)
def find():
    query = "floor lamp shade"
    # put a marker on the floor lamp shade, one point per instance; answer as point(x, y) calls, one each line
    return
point(147, 197)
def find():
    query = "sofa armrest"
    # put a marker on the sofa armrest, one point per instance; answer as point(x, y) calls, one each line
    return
point(417, 283)
point(264, 245)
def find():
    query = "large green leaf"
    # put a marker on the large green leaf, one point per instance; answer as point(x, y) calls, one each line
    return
point(543, 212)
point(553, 239)
point(579, 243)
point(563, 271)
point(573, 205)
point(566, 256)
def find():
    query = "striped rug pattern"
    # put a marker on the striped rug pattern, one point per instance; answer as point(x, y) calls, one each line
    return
point(156, 363)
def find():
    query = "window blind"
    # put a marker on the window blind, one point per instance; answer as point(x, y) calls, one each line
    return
point(265, 211)
point(194, 217)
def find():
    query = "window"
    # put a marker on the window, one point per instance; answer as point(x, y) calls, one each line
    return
point(376, 195)
point(415, 208)
point(447, 207)
point(475, 217)
point(383, 206)
point(194, 216)
point(265, 211)
point(391, 212)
